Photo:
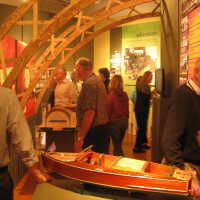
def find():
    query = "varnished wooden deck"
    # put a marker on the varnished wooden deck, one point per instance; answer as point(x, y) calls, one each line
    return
point(128, 145)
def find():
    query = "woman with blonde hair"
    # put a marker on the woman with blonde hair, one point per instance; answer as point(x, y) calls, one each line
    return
point(118, 113)
point(142, 105)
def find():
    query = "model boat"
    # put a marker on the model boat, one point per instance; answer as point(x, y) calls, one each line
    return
point(118, 172)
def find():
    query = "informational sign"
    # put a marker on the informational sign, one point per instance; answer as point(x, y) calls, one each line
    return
point(116, 63)
point(194, 36)
point(190, 41)
point(140, 51)
point(184, 50)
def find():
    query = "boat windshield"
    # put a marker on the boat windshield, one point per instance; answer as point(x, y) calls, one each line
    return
point(130, 164)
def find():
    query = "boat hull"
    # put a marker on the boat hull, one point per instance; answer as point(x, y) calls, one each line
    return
point(116, 178)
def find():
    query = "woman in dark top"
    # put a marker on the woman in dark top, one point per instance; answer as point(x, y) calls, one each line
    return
point(142, 106)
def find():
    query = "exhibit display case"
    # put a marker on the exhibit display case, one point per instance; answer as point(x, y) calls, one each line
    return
point(190, 38)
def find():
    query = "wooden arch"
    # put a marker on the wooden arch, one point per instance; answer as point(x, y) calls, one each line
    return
point(86, 40)
point(62, 41)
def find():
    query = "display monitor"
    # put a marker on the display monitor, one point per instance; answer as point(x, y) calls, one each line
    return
point(159, 81)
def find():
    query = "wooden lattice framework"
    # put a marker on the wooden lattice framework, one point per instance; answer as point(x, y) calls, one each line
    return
point(60, 43)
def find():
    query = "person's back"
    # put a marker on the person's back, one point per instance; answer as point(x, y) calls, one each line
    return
point(184, 113)
point(118, 113)
point(119, 107)
point(180, 140)
point(143, 97)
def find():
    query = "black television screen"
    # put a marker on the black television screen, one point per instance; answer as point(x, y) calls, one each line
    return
point(159, 81)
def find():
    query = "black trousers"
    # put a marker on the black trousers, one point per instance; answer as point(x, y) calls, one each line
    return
point(6, 184)
point(141, 135)
point(117, 130)
point(98, 137)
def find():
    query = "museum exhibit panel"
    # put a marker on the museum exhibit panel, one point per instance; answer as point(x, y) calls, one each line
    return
point(128, 37)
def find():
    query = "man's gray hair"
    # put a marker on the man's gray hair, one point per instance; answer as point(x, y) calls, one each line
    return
point(85, 62)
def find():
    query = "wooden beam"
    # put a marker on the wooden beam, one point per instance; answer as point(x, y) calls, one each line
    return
point(134, 10)
point(84, 17)
point(14, 17)
point(118, 1)
point(62, 55)
point(33, 83)
point(55, 6)
point(88, 32)
point(68, 49)
point(156, 8)
point(59, 39)
point(34, 66)
point(79, 20)
point(58, 21)
point(108, 4)
point(106, 28)
point(47, 51)
point(29, 22)
point(82, 36)
point(90, 38)
point(52, 45)
point(98, 17)
point(35, 19)
point(156, 2)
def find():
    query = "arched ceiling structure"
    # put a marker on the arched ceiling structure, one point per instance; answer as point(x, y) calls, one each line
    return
point(55, 36)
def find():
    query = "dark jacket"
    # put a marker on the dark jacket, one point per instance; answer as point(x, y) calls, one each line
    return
point(183, 121)
point(143, 94)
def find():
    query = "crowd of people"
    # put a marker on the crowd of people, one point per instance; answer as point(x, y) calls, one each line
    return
point(102, 110)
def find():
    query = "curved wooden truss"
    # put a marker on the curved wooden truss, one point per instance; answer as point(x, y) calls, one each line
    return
point(86, 40)
point(58, 42)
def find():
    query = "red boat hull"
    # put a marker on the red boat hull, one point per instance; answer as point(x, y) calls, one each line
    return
point(154, 181)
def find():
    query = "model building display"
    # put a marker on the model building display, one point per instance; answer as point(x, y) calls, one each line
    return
point(118, 172)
